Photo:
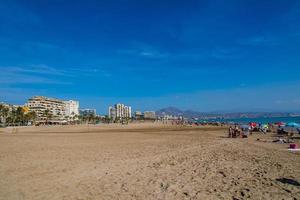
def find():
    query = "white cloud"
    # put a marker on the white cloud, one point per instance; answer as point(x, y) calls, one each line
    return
point(37, 74)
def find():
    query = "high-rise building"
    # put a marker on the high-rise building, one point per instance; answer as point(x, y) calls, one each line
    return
point(119, 111)
point(112, 114)
point(72, 108)
point(129, 112)
point(42, 105)
point(126, 112)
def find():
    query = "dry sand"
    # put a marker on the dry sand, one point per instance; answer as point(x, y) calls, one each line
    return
point(143, 162)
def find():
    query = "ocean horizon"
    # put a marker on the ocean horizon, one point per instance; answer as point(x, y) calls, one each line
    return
point(262, 120)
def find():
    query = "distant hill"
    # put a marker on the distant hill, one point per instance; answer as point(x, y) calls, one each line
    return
point(206, 115)
point(169, 111)
point(177, 112)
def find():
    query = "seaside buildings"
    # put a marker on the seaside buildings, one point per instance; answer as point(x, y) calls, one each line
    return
point(43, 106)
point(112, 113)
point(127, 112)
point(170, 117)
point(149, 115)
point(72, 108)
point(138, 115)
point(58, 109)
point(87, 111)
point(119, 111)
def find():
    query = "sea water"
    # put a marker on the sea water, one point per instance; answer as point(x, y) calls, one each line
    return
point(262, 120)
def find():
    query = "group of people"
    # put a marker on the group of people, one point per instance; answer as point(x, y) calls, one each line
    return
point(236, 131)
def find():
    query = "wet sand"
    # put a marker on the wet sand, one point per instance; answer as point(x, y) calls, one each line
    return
point(143, 161)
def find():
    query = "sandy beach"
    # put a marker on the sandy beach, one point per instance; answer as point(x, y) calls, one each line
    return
point(144, 161)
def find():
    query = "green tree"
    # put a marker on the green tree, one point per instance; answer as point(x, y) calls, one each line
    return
point(75, 117)
point(48, 115)
point(19, 116)
point(106, 119)
point(12, 117)
point(31, 117)
point(4, 113)
point(91, 118)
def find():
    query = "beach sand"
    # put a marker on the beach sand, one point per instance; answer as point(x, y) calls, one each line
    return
point(143, 161)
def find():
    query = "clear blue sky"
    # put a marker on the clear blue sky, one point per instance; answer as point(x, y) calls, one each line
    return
point(201, 55)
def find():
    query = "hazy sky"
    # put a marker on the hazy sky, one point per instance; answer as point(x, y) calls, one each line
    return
point(202, 55)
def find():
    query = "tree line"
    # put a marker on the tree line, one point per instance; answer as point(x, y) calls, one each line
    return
point(17, 116)
point(12, 116)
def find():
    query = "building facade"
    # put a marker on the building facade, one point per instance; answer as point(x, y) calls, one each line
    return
point(138, 115)
point(112, 114)
point(87, 111)
point(119, 111)
point(72, 108)
point(42, 105)
point(149, 115)
point(127, 112)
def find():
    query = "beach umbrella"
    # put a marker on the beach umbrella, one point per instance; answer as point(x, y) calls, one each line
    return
point(253, 124)
point(264, 126)
point(280, 123)
point(292, 127)
point(293, 124)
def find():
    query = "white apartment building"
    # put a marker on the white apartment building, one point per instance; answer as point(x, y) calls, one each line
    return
point(119, 111)
point(129, 112)
point(39, 104)
point(72, 108)
point(59, 109)
point(112, 112)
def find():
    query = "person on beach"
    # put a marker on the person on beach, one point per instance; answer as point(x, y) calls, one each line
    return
point(230, 132)
point(236, 132)
point(245, 132)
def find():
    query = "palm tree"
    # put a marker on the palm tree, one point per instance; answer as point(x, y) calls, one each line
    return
point(74, 118)
point(105, 119)
point(72, 114)
point(66, 118)
point(19, 115)
point(12, 116)
point(90, 118)
point(48, 115)
point(31, 116)
point(4, 113)
point(1, 112)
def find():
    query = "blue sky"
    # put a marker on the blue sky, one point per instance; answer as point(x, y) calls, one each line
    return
point(201, 55)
